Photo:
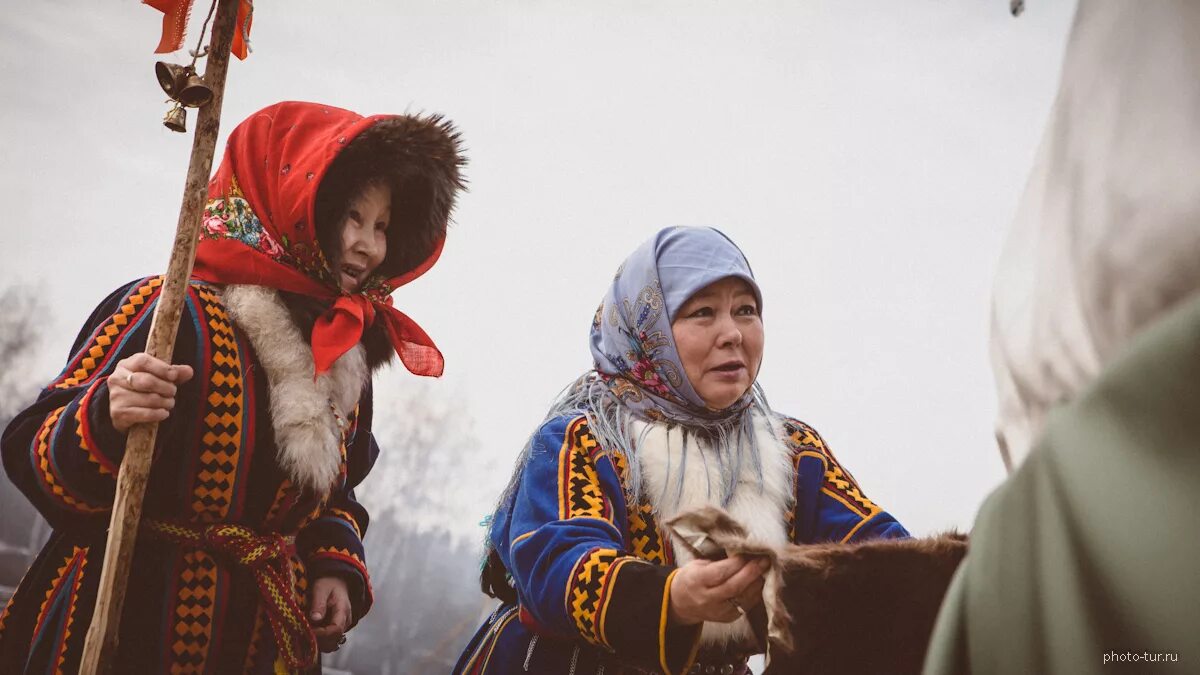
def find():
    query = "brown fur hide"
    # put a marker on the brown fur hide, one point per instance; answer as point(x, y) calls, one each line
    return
point(838, 608)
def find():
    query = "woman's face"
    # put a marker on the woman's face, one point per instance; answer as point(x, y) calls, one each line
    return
point(719, 335)
point(363, 242)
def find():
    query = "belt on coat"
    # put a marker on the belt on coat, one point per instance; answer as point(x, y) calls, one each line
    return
point(268, 557)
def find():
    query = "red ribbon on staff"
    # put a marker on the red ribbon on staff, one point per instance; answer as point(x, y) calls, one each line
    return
point(175, 18)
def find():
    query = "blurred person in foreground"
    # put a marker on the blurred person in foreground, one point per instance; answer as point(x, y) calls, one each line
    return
point(1086, 558)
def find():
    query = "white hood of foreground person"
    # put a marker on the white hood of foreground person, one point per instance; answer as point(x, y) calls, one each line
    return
point(1107, 236)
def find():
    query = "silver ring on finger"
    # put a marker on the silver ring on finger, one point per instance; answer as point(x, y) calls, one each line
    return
point(737, 607)
point(129, 382)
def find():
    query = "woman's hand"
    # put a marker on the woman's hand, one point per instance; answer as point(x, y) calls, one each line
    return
point(720, 590)
point(142, 389)
point(329, 612)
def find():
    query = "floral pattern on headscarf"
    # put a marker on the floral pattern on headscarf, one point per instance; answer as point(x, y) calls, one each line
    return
point(646, 361)
point(632, 344)
point(231, 217)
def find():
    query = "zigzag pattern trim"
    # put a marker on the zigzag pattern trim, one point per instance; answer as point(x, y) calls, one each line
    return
point(838, 483)
point(7, 610)
point(221, 439)
point(299, 579)
point(193, 612)
point(51, 482)
point(60, 604)
point(350, 558)
point(589, 591)
point(285, 497)
point(580, 495)
point(645, 539)
point(83, 431)
point(268, 558)
point(194, 606)
point(344, 515)
point(343, 554)
point(92, 359)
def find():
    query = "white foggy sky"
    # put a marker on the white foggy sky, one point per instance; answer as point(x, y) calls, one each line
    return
point(867, 156)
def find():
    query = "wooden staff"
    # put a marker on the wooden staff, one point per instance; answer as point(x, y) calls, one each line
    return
point(100, 647)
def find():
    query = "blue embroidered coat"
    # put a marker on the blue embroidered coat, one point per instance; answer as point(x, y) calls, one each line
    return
point(592, 571)
point(186, 610)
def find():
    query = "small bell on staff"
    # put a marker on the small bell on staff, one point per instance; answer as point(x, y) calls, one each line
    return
point(176, 118)
point(182, 84)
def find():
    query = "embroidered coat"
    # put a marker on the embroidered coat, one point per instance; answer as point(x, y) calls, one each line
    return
point(188, 609)
point(592, 569)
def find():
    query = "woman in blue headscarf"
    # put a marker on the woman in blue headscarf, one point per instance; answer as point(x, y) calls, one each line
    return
point(669, 419)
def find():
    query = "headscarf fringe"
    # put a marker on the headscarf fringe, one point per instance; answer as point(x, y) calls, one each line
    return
point(730, 442)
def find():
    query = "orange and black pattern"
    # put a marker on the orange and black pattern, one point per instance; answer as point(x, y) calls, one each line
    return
point(219, 451)
point(194, 607)
point(579, 484)
point(76, 474)
point(96, 355)
point(57, 615)
point(830, 506)
point(645, 538)
point(222, 415)
point(588, 593)
point(268, 559)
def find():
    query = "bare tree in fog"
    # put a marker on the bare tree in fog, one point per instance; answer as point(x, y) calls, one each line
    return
point(425, 576)
point(22, 530)
point(19, 335)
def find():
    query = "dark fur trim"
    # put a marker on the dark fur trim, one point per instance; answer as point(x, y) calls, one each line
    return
point(420, 158)
point(863, 608)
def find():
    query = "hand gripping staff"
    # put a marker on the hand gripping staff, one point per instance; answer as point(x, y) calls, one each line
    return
point(100, 646)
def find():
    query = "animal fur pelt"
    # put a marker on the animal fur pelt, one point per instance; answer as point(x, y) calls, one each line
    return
point(304, 408)
point(838, 608)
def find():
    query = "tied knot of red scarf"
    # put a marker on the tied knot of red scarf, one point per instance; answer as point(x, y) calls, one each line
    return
point(339, 329)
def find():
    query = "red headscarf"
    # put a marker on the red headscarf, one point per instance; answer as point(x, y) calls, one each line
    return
point(259, 229)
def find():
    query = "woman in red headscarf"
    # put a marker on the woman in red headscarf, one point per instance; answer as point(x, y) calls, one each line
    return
point(250, 555)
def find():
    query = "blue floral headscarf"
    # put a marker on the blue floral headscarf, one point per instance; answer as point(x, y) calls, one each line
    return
point(633, 347)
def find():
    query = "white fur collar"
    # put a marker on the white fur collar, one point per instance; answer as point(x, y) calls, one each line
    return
point(761, 509)
point(307, 437)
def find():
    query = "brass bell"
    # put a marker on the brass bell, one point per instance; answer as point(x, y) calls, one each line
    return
point(176, 118)
point(194, 92)
point(182, 84)
point(168, 74)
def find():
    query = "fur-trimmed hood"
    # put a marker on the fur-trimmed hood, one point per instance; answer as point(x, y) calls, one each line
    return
point(421, 156)
point(264, 194)
point(261, 227)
